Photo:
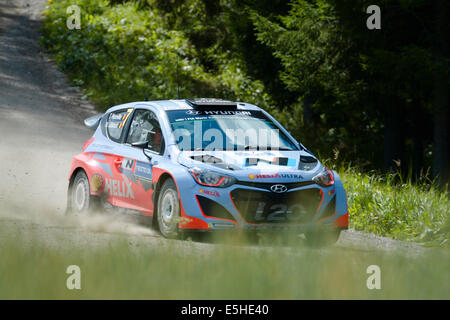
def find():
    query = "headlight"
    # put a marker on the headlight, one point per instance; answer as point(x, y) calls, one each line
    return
point(210, 178)
point(325, 178)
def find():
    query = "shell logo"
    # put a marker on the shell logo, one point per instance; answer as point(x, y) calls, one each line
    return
point(201, 190)
point(251, 176)
point(96, 182)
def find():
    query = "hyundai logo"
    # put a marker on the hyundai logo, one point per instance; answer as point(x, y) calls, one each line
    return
point(193, 112)
point(278, 188)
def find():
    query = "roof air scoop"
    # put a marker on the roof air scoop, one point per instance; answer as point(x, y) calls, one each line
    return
point(211, 104)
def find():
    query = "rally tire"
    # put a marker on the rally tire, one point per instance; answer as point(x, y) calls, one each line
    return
point(168, 213)
point(80, 199)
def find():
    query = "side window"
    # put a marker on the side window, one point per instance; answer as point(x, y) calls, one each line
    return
point(145, 128)
point(116, 123)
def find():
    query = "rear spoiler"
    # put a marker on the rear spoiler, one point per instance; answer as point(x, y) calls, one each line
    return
point(94, 121)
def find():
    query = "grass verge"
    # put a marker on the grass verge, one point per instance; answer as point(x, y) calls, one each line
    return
point(382, 205)
point(32, 270)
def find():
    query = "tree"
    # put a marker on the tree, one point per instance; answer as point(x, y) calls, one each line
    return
point(373, 89)
point(441, 166)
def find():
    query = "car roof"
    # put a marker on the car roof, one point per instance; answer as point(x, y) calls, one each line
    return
point(167, 105)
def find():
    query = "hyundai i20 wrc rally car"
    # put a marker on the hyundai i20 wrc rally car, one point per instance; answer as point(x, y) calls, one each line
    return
point(205, 165)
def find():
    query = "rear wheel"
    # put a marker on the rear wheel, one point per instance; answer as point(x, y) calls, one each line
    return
point(80, 198)
point(322, 238)
point(168, 213)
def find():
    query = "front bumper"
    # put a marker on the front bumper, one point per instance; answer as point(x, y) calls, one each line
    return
point(303, 206)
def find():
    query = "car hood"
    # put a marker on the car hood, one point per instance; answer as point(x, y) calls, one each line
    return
point(256, 166)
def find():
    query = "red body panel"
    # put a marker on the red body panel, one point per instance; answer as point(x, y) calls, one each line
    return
point(113, 183)
point(341, 222)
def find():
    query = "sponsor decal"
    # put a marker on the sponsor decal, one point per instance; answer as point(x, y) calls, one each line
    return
point(245, 154)
point(210, 193)
point(125, 118)
point(194, 112)
point(291, 176)
point(128, 164)
point(264, 176)
point(275, 175)
point(119, 188)
point(143, 170)
point(116, 116)
point(219, 113)
point(229, 112)
point(96, 182)
point(267, 176)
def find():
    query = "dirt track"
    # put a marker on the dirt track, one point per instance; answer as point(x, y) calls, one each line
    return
point(41, 129)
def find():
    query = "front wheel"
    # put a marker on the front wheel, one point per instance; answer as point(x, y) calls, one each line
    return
point(168, 214)
point(322, 238)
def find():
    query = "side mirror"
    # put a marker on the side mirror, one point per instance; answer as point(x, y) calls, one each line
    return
point(141, 144)
point(94, 121)
point(145, 146)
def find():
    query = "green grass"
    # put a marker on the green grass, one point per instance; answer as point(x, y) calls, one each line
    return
point(33, 270)
point(382, 205)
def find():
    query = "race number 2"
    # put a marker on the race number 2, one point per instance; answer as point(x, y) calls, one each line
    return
point(279, 212)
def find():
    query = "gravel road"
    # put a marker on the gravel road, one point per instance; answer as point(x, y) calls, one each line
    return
point(41, 129)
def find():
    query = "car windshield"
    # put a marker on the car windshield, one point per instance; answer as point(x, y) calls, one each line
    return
point(227, 130)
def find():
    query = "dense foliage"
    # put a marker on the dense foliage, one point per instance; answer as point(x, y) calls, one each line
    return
point(377, 98)
point(373, 92)
point(123, 53)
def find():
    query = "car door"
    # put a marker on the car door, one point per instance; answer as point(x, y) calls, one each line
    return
point(144, 140)
point(116, 187)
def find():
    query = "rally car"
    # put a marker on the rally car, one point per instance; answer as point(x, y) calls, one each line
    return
point(205, 165)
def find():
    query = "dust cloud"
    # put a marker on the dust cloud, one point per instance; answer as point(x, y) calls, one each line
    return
point(33, 188)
